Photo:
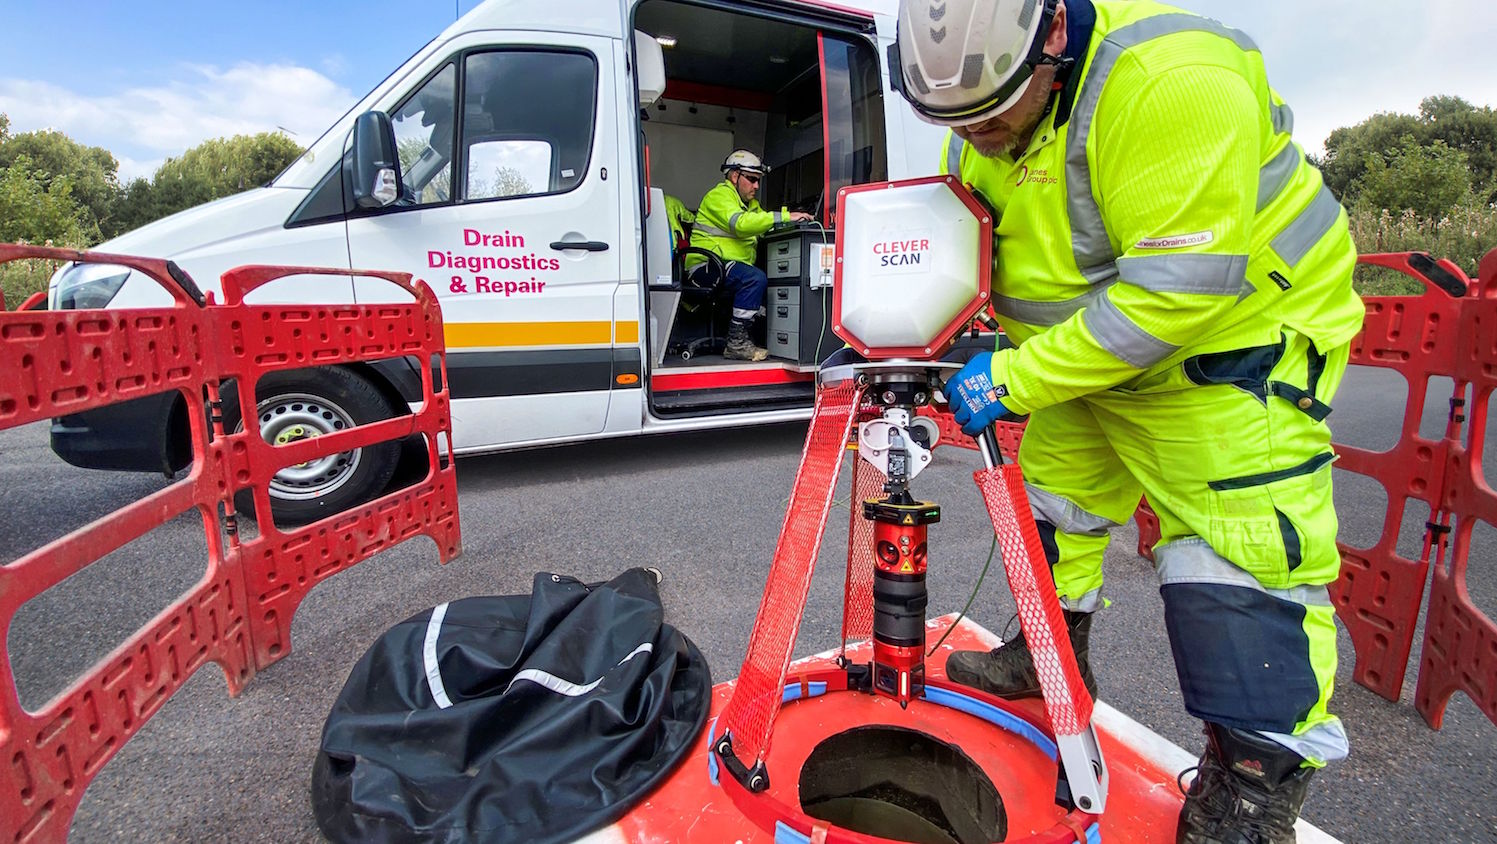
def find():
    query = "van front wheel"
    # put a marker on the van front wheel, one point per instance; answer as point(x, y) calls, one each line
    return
point(307, 403)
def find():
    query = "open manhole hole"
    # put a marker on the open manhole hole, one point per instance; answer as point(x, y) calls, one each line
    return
point(901, 784)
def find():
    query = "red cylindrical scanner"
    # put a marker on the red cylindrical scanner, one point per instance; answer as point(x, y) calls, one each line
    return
point(899, 595)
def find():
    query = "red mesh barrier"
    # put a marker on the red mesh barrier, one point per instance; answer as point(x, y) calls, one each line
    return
point(61, 362)
point(1066, 699)
point(749, 715)
point(857, 602)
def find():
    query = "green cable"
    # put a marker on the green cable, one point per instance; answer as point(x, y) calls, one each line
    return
point(970, 598)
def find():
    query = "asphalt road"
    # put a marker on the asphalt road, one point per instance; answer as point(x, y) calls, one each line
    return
point(706, 509)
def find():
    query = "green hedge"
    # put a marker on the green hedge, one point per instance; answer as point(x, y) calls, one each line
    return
point(1464, 235)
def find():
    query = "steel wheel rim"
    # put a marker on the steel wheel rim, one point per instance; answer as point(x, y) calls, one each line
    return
point(290, 417)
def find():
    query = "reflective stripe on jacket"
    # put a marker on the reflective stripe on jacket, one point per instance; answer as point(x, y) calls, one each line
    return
point(730, 228)
point(1169, 214)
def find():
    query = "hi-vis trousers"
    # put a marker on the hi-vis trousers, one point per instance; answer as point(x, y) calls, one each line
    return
point(1233, 453)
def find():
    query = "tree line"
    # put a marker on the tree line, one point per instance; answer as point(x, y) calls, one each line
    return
point(58, 191)
point(1425, 181)
point(1418, 182)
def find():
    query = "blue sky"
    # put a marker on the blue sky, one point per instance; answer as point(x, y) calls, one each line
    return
point(148, 79)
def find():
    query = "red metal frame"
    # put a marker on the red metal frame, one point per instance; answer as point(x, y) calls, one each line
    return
point(828, 217)
point(747, 722)
point(238, 616)
point(698, 380)
point(948, 334)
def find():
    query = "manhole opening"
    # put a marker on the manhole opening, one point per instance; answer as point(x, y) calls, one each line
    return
point(901, 784)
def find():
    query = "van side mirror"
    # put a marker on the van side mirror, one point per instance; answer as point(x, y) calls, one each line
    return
point(373, 161)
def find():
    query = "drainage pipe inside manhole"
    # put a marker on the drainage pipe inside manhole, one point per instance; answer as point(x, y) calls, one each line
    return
point(903, 785)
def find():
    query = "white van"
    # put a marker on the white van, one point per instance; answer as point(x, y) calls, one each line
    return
point(536, 143)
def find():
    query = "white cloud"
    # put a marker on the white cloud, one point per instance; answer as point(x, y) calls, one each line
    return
point(143, 126)
point(1338, 62)
point(335, 64)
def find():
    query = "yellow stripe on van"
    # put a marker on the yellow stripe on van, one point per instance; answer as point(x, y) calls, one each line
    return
point(628, 332)
point(479, 334)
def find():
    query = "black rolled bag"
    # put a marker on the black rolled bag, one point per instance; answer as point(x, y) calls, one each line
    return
point(535, 718)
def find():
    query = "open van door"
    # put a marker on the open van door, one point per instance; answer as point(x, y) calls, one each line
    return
point(508, 208)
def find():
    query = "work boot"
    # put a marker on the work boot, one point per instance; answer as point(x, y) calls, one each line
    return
point(1008, 671)
point(1248, 790)
point(740, 347)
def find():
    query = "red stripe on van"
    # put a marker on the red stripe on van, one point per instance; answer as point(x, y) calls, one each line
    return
point(728, 378)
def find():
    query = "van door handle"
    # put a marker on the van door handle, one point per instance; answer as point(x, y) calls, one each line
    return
point(588, 245)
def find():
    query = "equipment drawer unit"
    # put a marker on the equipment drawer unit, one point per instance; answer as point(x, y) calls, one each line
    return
point(799, 296)
point(783, 343)
point(783, 308)
point(783, 317)
point(784, 294)
point(801, 253)
point(796, 325)
point(783, 313)
point(782, 257)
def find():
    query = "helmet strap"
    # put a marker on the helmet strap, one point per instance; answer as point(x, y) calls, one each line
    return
point(1061, 63)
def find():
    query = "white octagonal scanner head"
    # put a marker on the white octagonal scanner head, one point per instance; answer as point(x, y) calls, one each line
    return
point(913, 265)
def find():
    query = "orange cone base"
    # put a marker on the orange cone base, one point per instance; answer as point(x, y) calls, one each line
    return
point(1143, 799)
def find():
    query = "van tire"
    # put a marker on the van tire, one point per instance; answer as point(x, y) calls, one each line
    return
point(301, 403)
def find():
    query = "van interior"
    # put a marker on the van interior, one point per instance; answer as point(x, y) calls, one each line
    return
point(803, 92)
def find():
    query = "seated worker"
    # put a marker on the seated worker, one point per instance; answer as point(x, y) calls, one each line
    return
point(729, 222)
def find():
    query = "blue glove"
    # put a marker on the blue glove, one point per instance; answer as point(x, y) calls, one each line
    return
point(975, 403)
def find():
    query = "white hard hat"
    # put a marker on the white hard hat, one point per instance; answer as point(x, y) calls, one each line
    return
point(742, 159)
point(962, 61)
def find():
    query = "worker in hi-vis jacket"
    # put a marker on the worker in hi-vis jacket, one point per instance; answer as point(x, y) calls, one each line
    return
point(729, 222)
point(1176, 280)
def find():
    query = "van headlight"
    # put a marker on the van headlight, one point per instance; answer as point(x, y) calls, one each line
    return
point(79, 287)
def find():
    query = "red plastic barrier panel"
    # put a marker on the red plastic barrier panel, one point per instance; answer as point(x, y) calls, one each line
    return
point(1380, 591)
point(1460, 641)
point(54, 363)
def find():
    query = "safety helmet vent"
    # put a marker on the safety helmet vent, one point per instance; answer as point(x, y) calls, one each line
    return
point(1026, 14)
point(918, 79)
point(972, 71)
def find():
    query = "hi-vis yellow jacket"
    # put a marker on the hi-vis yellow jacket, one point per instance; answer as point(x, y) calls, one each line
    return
point(1163, 212)
point(728, 226)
